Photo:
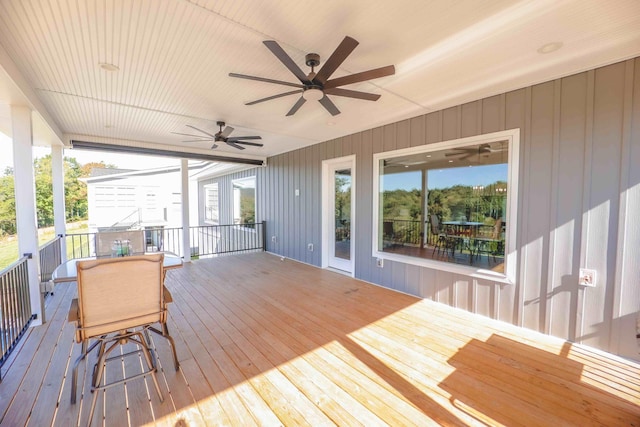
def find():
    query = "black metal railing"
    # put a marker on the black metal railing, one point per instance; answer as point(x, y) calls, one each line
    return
point(15, 307)
point(50, 255)
point(403, 231)
point(205, 240)
point(226, 239)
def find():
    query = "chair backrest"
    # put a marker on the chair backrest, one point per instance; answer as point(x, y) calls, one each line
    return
point(119, 293)
point(435, 224)
point(104, 241)
point(497, 229)
point(387, 228)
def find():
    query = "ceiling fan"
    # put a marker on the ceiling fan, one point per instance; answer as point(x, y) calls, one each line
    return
point(221, 136)
point(316, 86)
point(467, 152)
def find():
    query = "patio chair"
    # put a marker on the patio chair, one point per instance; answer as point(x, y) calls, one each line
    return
point(443, 241)
point(119, 301)
point(492, 245)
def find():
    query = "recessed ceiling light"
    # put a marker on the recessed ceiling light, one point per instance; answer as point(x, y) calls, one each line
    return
point(406, 166)
point(450, 161)
point(428, 155)
point(549, 47)
point(109, 67)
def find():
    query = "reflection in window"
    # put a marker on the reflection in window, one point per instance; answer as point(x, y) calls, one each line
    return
point(211, 204)
point(448, 205)
point(244, 201)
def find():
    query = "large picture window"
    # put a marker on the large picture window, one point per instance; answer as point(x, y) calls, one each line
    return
point(449, 205)
point(244, 201)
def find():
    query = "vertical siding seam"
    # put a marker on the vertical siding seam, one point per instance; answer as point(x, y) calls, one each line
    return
point(586, 196)
point(524, 196)
point(625, 165)
point(553, 211)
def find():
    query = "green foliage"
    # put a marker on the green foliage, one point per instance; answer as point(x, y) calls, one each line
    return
point(75, 193)
point(247, 205)
point(449, 204)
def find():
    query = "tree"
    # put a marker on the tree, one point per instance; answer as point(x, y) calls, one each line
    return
point(75, 192)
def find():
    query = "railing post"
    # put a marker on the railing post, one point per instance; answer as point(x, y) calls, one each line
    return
point(264, 236)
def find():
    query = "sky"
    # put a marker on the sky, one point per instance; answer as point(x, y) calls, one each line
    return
point(443, 178)
point(122, 161)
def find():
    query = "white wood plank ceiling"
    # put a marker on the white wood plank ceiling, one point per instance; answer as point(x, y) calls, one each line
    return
point(174, 57)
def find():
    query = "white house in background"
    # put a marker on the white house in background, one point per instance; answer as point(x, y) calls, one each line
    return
point(122, 199)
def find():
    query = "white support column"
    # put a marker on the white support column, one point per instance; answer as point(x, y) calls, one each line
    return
point(25, 189)
point(59, 213)
point(186, 240)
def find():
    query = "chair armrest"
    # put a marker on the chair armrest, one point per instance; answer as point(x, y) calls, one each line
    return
point(168, 298)
point(73, 315)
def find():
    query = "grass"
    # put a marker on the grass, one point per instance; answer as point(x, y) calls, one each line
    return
point(9, 244)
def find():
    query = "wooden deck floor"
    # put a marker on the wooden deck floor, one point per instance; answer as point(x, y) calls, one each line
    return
point(268, 342)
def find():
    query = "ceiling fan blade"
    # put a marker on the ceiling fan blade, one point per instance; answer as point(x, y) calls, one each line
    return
point(268, 98)
point(188, 134)
point(262, 79)
point(200, 130)
point(235, 138)
point(352, 94)
point(234, 145)
point(198, 140)
point(360, 77)
point(253, 144)
point(336, 59)
point(296, 106)
point(329, 105)
point(275, 48)
point(226, 132)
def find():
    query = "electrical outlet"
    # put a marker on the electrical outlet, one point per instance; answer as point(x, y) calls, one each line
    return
point(379, 262)
point(310, 247)
point(274, 239)
point(587, 277)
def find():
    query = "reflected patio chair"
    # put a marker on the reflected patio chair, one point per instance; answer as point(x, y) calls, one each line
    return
point(492, 245)
point(119, 301)
point(443, 242)
point(388, 234)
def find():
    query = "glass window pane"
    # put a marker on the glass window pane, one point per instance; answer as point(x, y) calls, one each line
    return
point(447, 205)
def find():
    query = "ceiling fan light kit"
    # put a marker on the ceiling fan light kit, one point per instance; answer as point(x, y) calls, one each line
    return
point(316, 86)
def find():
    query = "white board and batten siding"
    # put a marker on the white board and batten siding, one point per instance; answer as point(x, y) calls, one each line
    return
point(578, 205)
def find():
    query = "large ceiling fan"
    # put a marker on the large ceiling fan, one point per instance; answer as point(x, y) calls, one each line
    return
point(221, 136)
point(316, 86)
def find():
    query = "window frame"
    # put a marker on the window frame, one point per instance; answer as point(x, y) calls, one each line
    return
point(255, 201)
point(512, 137)
point(208, 187)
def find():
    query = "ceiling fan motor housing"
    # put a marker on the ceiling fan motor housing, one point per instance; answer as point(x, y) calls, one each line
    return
point(312, 59)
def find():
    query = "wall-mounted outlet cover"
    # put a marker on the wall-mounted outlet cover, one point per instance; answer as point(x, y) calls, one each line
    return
point(379, 262)
point(310, 247)
point(587, 277)
point(297, 192)
point(274, 239)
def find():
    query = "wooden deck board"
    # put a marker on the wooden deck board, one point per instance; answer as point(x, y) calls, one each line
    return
point(268, 342)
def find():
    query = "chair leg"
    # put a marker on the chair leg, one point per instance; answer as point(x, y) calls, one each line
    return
point(74, 372)
point(165, 333)
point(151, 364)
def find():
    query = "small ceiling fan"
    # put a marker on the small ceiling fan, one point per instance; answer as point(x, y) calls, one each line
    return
point(316, 86)
point(467, 152)
point(221, 136)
